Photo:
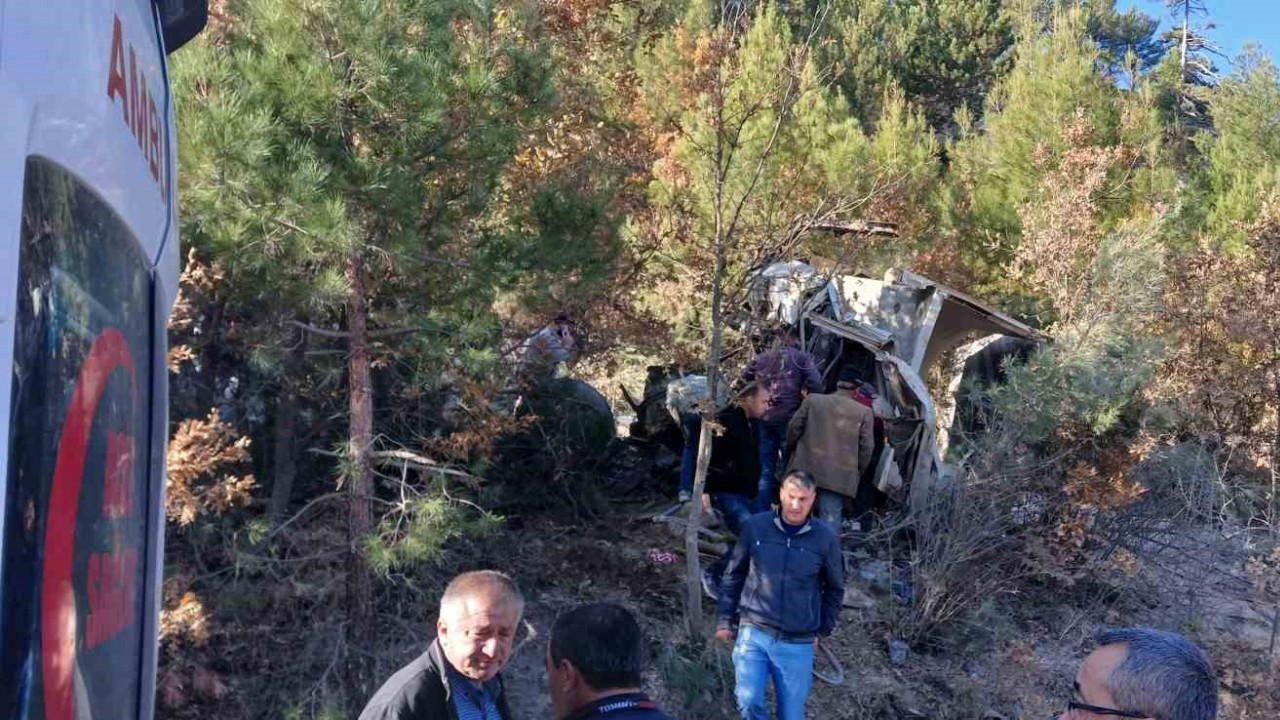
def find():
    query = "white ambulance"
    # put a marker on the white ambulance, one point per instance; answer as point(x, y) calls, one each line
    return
point(88, 273)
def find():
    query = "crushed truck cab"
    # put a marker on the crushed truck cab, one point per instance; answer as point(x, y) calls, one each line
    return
point(892, 331)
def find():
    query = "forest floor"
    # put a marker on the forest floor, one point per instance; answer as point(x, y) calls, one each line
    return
point(271, 651)
point(1015, 657)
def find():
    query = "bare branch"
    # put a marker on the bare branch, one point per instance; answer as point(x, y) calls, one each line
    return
point(344, 335)
point(300, 513)
point(421, 462)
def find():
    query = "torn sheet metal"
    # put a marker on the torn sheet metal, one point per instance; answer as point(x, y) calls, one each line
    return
point(891, 331)
point(777, 293)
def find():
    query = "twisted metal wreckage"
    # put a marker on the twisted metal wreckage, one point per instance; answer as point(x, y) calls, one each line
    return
point(893, 331)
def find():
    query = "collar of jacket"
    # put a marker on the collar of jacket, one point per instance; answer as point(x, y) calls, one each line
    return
point(614, 703)
point(440, 664)
point(777, 520)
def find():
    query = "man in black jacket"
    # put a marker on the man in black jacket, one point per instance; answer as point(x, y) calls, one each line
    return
point(734, 471)
point(780, 592)
point(594, 659)
point(457, 678)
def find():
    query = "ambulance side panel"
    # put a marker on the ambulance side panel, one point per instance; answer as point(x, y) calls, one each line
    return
point(88, 274)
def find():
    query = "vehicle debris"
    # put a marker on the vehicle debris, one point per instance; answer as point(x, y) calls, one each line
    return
point(892, 331)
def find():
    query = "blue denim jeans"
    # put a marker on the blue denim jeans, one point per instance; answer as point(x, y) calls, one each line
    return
point(691, 424)
point(757, 657)
point(772, 434)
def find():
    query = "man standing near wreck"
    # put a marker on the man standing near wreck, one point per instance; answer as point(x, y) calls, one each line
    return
point(545, 353)
point(457, 678)
point(781, 591)
point(787, 372)
point(733, 472)
point(832, 438)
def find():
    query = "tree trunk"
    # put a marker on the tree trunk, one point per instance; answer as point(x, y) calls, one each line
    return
point(693, 569)
point(360, 616)
point(210, 363)
point(283, 469)
point(1186, 27)
point(693, 564)
point(721, 238)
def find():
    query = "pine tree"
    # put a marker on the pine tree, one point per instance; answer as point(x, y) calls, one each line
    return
point(944, 54)
point(1123, 34)
point(1055, 76)
point(1197, 68)
point(1243, 172)
point(1191, 68)
point(339, 159)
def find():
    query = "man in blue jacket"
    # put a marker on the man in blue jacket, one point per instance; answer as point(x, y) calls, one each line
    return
point(780, 592)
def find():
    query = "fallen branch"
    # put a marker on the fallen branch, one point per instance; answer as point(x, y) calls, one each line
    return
point(836, 678)
point(344, 335)
point(859, 227)
point(679, 522)
point(665, 512)
point(712, 548)
point(423, 463)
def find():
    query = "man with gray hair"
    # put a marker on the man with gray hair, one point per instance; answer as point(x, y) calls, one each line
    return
point(1144, 674)
point(457, 678)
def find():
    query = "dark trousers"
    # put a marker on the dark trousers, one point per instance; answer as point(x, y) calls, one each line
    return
point(736, 509)
point(691, 426)
point(772, 434)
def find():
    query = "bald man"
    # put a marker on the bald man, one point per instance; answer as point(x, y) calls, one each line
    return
point(458, 677)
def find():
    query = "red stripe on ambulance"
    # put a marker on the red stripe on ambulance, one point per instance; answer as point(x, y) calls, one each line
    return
point(59, 622)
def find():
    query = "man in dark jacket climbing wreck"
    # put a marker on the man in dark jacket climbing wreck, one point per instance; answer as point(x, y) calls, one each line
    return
point(457, 678)
point(781, 591)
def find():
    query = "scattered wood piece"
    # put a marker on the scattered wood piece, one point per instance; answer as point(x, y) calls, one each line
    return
point(678, 524)
point(668, 511)
point(859, 227)
point(836, 675)
point(711, 548)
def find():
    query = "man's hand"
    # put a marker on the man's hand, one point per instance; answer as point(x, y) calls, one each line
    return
point(726, 635)
point(706, 502)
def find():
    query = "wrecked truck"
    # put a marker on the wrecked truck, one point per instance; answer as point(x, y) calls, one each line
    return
point(893, 331)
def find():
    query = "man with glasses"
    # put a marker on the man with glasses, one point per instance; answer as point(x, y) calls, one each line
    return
point(1144, 674)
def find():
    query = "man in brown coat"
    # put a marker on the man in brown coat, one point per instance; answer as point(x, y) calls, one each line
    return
point(831, 438)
